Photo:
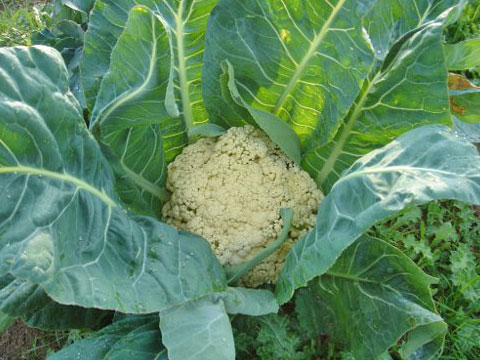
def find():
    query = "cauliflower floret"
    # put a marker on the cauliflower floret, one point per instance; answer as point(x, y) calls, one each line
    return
point(230, 191)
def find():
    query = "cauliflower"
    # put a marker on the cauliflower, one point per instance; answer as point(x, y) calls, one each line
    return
point(230, 190)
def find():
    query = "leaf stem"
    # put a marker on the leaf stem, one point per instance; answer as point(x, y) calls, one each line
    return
point(308, 56)
point(338, 148)
point(182, 69)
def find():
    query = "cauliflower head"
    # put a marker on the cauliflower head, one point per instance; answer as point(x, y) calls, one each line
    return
point(230, 190)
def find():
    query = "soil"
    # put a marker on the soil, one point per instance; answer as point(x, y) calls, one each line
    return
point(22, 343)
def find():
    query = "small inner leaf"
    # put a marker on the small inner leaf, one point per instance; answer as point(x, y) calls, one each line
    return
point(276, 129)
point(206, 130)
point(279, 132)
point(235, 272)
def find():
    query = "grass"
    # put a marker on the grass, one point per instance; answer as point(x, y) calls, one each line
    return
point(466, 27)
point(443, 238)
point(18, 20)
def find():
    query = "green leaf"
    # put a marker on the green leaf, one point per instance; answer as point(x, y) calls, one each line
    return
point(425, 342)
point(455, 15)
point(206, 130)
point(253, 302)
point(62, 226)
point(201, 329)
point(463, 55)
point(66, 35)
point(424, 164)
point(130, 116)
point(303, 62)
point(198, 330)
point(371, 297)
point(468, 131)
point(72, 29)
point(384, 356)
point(313, 67)
point(398, 96)
point(280, 133)
point(464, 99)
point(134, 337)
point(80, 5)
point(21, 299)
point(185, 19)
point(105, 25)
point(236, 272)
point(390, 20)
point(277, 130)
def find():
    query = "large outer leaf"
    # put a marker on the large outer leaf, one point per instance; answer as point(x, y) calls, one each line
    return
point(407, 91)
point(424, 164)
point(151, 93)
point(187, 20)
point(390, 20)
point(463, 55)
point(61, 225)
point(21, 299)
point(134, 337)
point(198, 330)
point(201, 329)
point(304, 61)
point(425, 342)
point(370, 298)
point(468, 131)
point(130, 115)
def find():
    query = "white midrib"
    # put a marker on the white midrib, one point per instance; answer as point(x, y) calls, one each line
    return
point(182, 68)
point(80, 184)
point(127, 96)
point(421, 20)
point(153, 189)
point(391, 169)
point(310, 53)
point(351, 277)
point(345, 133)
point(115, 104)
point(338, 148)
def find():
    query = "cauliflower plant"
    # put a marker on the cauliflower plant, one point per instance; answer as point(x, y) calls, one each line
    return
point(230, 190)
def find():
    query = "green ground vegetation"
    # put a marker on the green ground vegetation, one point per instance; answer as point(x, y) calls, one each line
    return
point(19, 19)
